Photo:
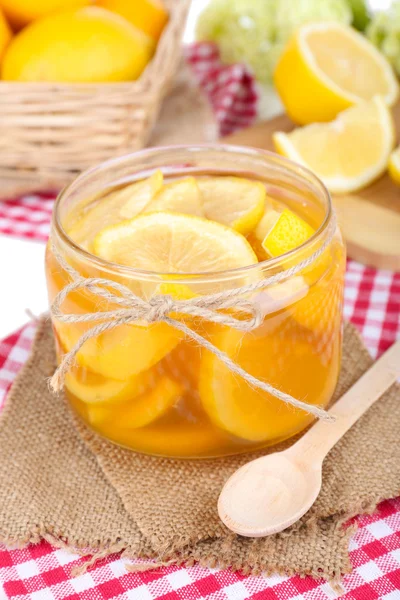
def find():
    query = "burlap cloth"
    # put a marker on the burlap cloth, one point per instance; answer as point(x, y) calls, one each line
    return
point(64, 484)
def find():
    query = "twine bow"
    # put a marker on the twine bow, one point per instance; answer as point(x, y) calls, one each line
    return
point(159, 308)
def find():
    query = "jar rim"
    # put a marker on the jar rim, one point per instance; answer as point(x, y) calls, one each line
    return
point(131, 272)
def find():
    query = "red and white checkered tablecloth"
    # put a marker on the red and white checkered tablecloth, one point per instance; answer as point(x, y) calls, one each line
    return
point(27, 217)
point(372, 303)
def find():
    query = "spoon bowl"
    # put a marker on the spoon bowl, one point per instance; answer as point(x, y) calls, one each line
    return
point(275, 481)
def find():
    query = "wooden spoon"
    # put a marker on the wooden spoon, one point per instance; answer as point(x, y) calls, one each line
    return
point(271, 493)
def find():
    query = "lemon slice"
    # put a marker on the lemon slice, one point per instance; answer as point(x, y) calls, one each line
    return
point(285, 231)
point(181, 196)
point(90, 387)
point(117, 206)
point(122, 352)
point(280, 359)
point(348, 153)
point(267, 222)
point(394, 165)
point(233, 201)
point(139, 411)
point(168, 242)
point(328, 67)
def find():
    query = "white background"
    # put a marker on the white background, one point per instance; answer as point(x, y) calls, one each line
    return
point(22, 262)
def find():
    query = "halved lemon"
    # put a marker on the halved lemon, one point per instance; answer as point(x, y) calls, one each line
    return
point(394, 165)
point(328, 67)
point(141, 410)
point(168, 242)
point(278, 356)
point(181, 196)
point(117, 206)
point(348, 153)
point(233, 201)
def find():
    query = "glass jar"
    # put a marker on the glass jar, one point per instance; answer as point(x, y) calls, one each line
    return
point(152, 389)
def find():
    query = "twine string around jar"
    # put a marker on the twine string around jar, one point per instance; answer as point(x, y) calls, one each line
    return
point(159, 308)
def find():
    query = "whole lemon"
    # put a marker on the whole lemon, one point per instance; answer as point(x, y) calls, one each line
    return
point(88, 45)
point(5, 33)
point(148, 15)
point(21, 12)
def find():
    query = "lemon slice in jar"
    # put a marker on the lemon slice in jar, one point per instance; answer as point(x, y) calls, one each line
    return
point(282, 232)
point(168, 242)
point(182, 196)
point(117, 206)
point(140, 410)
point(122, 352)
point(131, 403)
point(276, 356)
point(90, 387)
point(234, 201)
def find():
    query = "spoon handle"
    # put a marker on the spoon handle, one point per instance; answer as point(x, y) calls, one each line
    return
point(320, 439)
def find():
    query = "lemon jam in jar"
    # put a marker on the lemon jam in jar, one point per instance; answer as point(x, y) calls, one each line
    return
point(177, 225)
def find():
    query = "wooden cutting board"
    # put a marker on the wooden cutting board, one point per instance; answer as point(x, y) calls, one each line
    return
point(369, 219)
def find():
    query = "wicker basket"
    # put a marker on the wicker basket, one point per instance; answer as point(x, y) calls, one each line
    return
point(49, 132)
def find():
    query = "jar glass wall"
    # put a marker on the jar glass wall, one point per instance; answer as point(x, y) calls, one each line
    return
point(152, 389)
